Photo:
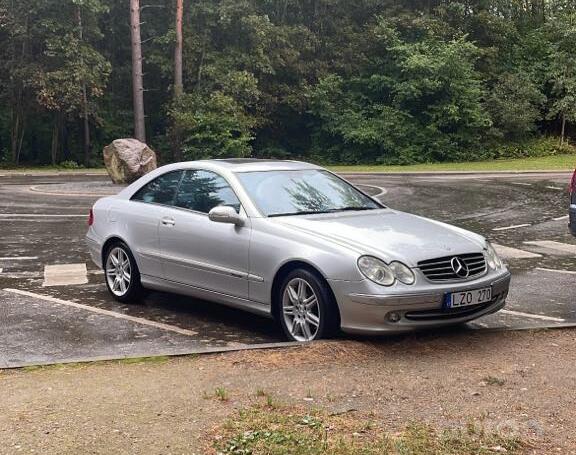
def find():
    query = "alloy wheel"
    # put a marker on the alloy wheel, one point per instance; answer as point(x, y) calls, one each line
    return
point(118, 271)
point(301, 310)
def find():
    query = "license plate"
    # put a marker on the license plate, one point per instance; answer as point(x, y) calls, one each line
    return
point(469, 298)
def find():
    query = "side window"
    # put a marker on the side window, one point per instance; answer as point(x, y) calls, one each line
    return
point(161, 190)
point(201, 191)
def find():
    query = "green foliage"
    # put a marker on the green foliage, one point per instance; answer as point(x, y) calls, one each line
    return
point(282, 431)
point(515, 105)
point(212, 127)
point(69, 165)
point(546, 146)
point(421, 102)
point(368, 81)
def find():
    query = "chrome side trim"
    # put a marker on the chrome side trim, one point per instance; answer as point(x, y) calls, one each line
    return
point(205, 267)
point(161, 284)
point(196, 264)
point(255, 278)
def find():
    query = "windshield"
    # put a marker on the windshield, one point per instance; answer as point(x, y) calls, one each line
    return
point(282, 193)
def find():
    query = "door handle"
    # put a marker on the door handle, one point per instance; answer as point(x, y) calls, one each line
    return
point(168, 221)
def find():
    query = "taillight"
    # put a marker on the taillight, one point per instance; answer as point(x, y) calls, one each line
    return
point(572, 188)
point(91, 218)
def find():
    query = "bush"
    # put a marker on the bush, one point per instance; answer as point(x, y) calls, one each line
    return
point(70, 165)
point(547, 146)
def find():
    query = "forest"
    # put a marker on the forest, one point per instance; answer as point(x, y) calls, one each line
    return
point(330, 81)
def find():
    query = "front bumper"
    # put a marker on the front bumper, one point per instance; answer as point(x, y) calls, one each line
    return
point(573, 219)
point(369, 313)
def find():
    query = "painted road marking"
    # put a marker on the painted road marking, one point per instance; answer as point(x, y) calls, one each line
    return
point(533, 316)
point(65, 275)
point(21, 258)
point(555, 188)
point(516, 226)
point(554, 246)
point(521, 183)
point(101, 311)
point(382, 190)
point(38, 215)
point(566, 272)
point(561, 218)
point(513, 253)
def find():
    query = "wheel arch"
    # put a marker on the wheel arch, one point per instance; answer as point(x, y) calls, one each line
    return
point(284, 270)
point(108, 243)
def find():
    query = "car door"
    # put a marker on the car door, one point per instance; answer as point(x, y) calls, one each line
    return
point(143, 215)
point(197, 251)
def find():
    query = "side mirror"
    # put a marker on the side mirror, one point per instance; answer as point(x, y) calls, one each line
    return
point(225, 214)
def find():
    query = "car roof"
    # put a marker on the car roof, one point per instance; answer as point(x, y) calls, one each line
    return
point(255, 165)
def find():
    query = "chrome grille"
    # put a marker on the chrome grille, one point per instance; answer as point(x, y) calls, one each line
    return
point(441, 269)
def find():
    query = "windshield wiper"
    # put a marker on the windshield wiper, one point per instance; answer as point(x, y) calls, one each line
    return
point(307, 212)
point(319, 212)
point(347, 209)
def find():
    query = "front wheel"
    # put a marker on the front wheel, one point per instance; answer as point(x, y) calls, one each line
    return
point(122, 275)
point(307, 309)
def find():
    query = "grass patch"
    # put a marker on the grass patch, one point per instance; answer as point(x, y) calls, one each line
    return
point(545, 163)
point(263, 430)
point(493, 380)
point(50, 169)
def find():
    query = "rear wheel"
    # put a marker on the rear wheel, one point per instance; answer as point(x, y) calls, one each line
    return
point(307, 309)
point(122, 274)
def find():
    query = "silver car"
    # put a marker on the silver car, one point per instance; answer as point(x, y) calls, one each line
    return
point(295, 242)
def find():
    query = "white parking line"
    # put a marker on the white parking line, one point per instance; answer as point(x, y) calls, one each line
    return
point(566, 272)
point(158, 325)
point(513, 253)
point(533, 316)
point(555, 188)
point(554, 246)
point(516, 226)
point(521, 183)
point(65, 275)
point(21, 258)
point(382, 192)
point(38, 215)
point(561, 218)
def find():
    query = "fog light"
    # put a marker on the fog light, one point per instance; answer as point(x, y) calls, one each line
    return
point(394, 317)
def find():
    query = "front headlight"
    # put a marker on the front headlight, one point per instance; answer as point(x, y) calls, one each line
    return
point(386, 275)
point(494, 262)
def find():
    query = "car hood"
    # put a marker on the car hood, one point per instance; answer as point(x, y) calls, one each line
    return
point(389, 234)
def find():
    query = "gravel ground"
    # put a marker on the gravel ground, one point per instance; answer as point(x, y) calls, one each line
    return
point(511, 382)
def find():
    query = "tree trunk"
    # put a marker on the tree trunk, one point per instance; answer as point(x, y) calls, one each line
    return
point(178, 79)
point(85, 110)
point(56, 130)
point(178, 83)
point(137, 76)
point(563, 132)
point(18, 107)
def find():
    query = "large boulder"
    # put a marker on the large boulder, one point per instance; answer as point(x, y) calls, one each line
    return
point(127, 160)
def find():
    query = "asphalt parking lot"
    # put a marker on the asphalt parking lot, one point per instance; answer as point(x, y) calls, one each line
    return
point(53, 314)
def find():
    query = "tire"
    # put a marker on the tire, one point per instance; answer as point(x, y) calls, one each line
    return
point(306, 309)
point(123, 282)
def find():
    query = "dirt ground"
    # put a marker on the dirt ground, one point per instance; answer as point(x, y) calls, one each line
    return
point(520, 383)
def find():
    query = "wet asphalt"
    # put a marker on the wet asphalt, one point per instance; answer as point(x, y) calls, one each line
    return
point(43, 221)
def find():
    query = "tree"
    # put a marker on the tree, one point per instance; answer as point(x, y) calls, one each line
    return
point(72, 71)
point(137, 75)
point(178, 84)
point(414, 102)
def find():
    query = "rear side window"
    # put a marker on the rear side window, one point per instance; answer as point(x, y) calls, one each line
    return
point(161, 190)
point(201, 191)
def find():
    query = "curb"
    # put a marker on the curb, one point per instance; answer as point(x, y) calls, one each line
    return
point(182, 353)
point(453, 173)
